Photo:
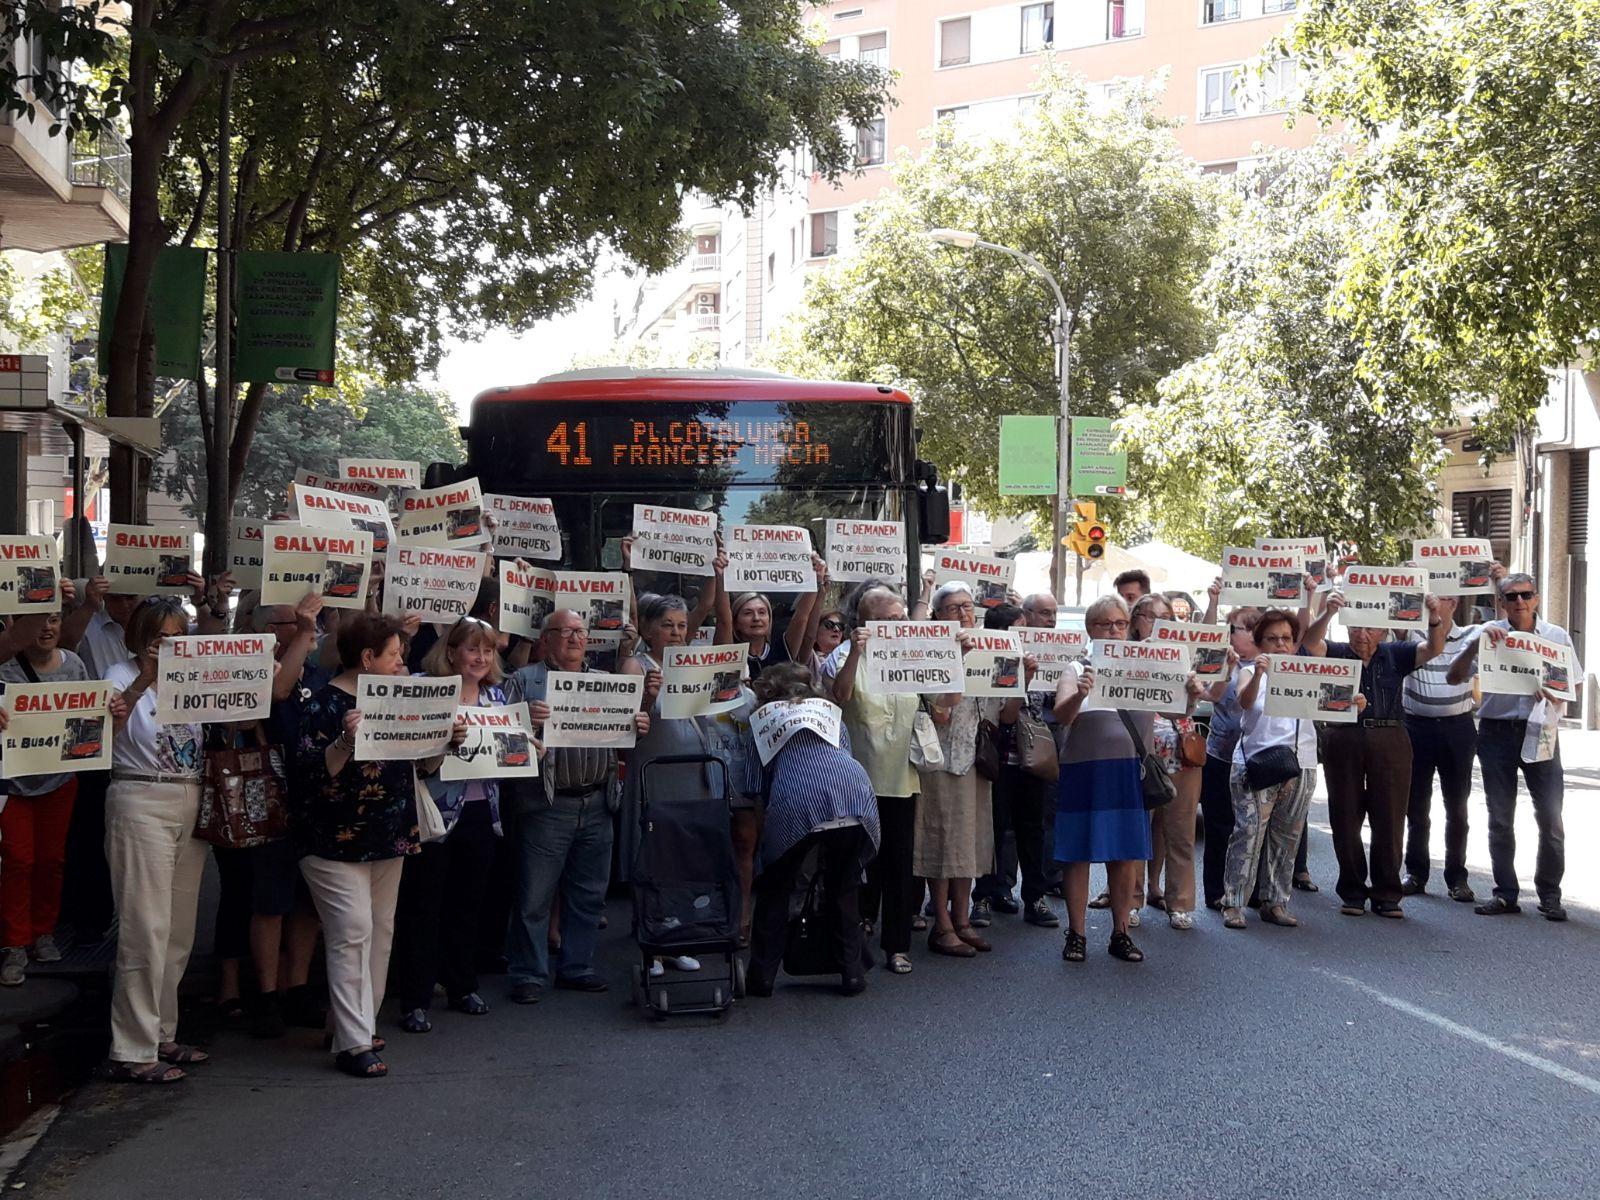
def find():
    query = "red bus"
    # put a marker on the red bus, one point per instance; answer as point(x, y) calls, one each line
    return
point(754, 447)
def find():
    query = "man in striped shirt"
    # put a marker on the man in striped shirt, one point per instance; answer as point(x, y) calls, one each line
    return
point(1438, 716)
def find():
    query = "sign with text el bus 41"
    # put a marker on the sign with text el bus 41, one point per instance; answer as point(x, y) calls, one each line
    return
point(1097, 469)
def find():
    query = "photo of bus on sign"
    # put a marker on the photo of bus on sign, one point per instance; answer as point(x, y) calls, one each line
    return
point(1405, 606)
point(511, 749)
point(1475, 574)
point(1006, 667)
point(465, 522)
point(173, 570)
point(1555, 677)
point(85, 738)
point(36, 585)
point(343, 580)
point(1284, 585)
point(725, 686)
point(991, 594)
point(1337, 697)
point(605, 614)
point(378, 530)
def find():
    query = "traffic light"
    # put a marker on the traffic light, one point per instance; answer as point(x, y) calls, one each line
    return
point(1088, 536)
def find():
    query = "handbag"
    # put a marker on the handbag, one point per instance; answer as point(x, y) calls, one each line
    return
point(241, 796)
point(1154, 782)
point(1036, 747)
point(926, 752)
point(430, 822)
point(986, 757)
point(1192, 748)
point(1268, 768)
point(814, 926)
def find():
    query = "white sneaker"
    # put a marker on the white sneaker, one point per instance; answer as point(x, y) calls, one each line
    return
point(656, 969)
point(14, 967)
point(1181, 920)
point(1133, 919)
point(45, 950)
point(684, 963)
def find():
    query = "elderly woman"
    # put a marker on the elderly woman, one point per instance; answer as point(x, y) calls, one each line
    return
point(1216, 795)
point(818, 798)
point(880, 725)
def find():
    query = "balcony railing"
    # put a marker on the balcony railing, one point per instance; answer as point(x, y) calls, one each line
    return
point(706, 262)
point(707, 320)
point(101, 158)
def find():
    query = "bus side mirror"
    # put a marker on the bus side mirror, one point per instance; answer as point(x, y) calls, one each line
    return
point(933, 506)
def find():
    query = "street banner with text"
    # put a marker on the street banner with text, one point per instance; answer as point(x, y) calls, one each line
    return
point(993, 664)
point(913, 657)
point(1384, 598)
point(592, 709)
point(1028, 456)
point(774, 723)
point(297, 559)
point(30, 574)
point(1208, 644)
point(405, 716)
point(448, 516)
point(701, 681)
point(1093, 462)
point(1312, 689)
point(1263, 578)
point(678, 540)
point(861, 551)
point(499, 745)
point(769, 558)
point(524, 528)
point(989, 578)
point(1055, 650)
point(287, 317)
point(214, 677)
point(1523, 664)
point(149, 560)
point(1139, 676)
point(56, 727)
point(1456, 566)
point(440, 584)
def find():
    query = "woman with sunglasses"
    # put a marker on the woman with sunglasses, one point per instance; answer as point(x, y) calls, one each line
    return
point(156, 863)
point(442, 889)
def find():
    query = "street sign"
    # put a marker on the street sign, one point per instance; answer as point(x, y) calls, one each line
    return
point(1027, 456)
point(1094, 464)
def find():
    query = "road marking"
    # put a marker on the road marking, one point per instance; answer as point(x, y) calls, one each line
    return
point(1566, 1074)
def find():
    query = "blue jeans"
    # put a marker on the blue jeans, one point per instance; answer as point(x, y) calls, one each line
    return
point(1500, 757)
point(565, 844)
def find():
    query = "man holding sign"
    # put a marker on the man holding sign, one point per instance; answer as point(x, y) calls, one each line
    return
point(1503, 720)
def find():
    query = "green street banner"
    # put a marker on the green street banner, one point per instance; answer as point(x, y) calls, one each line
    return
point(1027, 456)
point(288, 314)
point(177, 307)
point(1094, 463)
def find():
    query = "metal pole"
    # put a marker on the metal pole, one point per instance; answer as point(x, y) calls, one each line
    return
point(218, 514)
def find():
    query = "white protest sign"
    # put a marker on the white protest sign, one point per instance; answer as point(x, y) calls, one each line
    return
point(1523, 664)
point(1384, 598)
point(149, 560)
point(438, 583)
point(1312, 689)
point(335, 510)
point(214, 677)
point(913, 657)
point(446, 516)
point(527, 595)
point(592, 709)
point(859, 551)
point(681, 540)
point(56, 727)
point(769, 558)
point(1314, 551)
point(1263, 578)
point(700, 681)
point(245, 551)
point(381, 472)
point(1140, 676)
point(602, 596)
point(499, 745)
point(772, 725)
point(1054, 649)
point(993, 664)
point(989, 578)
point(30, 575)
point(1456, 566)
point(1208, 644)
point(297, 559)
point(405, 716)
point(329, 483)
point(524, 528)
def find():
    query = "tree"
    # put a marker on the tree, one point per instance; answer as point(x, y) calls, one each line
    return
point(1106, 201)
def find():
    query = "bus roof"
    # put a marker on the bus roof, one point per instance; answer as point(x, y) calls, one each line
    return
point(628, 384)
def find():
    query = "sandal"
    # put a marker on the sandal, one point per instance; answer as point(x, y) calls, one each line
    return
point(1233, 918)
point(1121, 946)
point(416, 1021)
point(955, 948)
point(1076, 949)
point(899, 964)
point(362, 1064)
point(1157, 903)
point(472, 1004)
point(919, 923)
point(970, 936)
point(1276, 914)
point(1103, 900)
point(181, 1055)
point(127, 1072)
point(1302, 883)
point(231, 1009)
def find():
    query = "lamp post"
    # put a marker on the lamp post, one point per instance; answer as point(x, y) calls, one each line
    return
point(1060, 333)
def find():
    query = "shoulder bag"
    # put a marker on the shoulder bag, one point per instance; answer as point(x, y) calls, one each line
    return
point(1036, 747)
point(241, 795)
point(1192, 748)
point(926, 752)
point(986, 758)
point(1154, 782)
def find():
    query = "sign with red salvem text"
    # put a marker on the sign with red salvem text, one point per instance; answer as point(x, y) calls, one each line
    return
point(1523, 664)
point(446, 516)
point(1262, 578)
point(244, 552)
point(30, 575)
point(1456, 566)
point(1208, 644)
point(989, 578)
point(1312, 689)
point(214, 677)
point(149, 560)
point(381, 472)
point(1384, 598)
point(56, 727)
point(993, 664)
point(1315, 551)
point(499, 745)
point(338, 510)
point(527, 596)
point(603, 597)
point(297, 559)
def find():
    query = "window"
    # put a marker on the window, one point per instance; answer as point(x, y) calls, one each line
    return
point(1124, 18)
point(1278, 84)
point(951, 122)
point(794, 245)
point(1220, 10)
point(824, 234)
point(1278, 6)
point(848, 14)
point(1483, 515)
point(772, 270)
point(874, 48)
point(871, 143)
point(830, 50)
point(1038, 26)
point(955, 42)
point(1217, 90)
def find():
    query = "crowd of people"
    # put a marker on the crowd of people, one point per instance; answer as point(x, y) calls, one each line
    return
point(927, 814)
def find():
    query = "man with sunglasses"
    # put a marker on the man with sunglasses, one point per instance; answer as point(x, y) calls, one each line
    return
point(1502, 724)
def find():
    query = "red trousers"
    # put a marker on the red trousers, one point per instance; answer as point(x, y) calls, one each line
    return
point(33, 847)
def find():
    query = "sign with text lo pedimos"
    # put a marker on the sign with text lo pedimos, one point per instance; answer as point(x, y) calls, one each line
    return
point(287, 317)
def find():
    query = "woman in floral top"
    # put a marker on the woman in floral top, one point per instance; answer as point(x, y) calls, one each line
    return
point(354, 823)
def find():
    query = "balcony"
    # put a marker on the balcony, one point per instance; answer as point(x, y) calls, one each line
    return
point(705, 262)
point(57, 192)
point(706, 322)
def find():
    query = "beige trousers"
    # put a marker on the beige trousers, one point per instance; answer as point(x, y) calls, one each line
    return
point(356, 903)
point(1172, 844)
point(156, 865)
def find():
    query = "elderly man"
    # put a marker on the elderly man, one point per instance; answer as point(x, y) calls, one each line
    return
point(1502, 724)
point(562, 823)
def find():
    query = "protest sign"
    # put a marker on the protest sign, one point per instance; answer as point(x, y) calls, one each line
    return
point(524, 528)
point(245, 551)
point(1315, 551)
point(446, 516)
point(405, 716)
point(860, 551)
point(56, 727)
point(1523, 664)
point(382, 472)
point(913, 657)
point(322, 509)
point(1312, 689)
point(700, 681)
point(214, 677)
point(499, 745)
point(1264, 578)
point(1384, 598)
point(989, 578)
point(680, 540)
point(773, 724)
point(149, 560)
point(297, 559)
point(993, 664)
point(527, 594)
point(1140, 676)
point(1208, 644)
point(601, 595)
point(593, 709)
point(769, 558)
point(1054, 649)
point(330, 483)
point(438, 583)
point(30, 575)
point(1456, 566)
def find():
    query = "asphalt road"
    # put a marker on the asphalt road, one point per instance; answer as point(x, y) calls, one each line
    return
point(1445, 1055)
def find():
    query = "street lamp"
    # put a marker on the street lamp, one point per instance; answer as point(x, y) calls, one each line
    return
point(1060, 334)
